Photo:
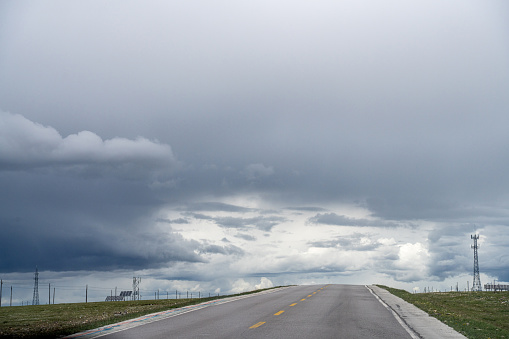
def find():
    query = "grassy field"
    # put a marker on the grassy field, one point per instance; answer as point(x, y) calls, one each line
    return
point(53, 321)
point(474, 314)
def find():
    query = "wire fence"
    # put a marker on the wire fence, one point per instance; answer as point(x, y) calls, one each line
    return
point(23, 294)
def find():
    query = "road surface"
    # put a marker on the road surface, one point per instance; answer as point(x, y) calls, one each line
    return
point(317, 311)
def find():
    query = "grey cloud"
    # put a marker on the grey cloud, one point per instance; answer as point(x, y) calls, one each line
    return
point(265, 223)
point(215, 207)
point(307, 209)
point(247, 237)
point(341, 220)
point(347, 243)
point(173, 221)
point(226, 250)
point(257, 171)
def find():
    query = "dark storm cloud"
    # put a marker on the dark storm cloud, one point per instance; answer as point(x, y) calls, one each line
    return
point(403, 115)
point(81, 203)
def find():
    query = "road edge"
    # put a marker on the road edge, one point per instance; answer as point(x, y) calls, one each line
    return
point(419, 322)
point(157, 316)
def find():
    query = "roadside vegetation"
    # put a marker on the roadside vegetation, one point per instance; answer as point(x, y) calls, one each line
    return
point(476, 315)
point(53, 321)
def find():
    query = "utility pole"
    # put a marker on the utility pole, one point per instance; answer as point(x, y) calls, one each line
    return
point(1, 285)
point(476, 285)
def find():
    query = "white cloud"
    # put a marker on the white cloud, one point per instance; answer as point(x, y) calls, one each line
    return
point(413, 262)
point(28, 144)
point(240, 285)
point(264, 283)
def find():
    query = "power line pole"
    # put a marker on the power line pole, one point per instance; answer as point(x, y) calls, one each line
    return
point(476, 285)
point(35, 299)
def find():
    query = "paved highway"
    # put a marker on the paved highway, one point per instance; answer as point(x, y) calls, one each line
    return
point(324, 311)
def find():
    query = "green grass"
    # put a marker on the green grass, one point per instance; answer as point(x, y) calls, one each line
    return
point(474, 314)
point(51, 321)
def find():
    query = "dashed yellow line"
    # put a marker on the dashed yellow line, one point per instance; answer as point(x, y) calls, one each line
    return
point(258, 324)
point(282, 311)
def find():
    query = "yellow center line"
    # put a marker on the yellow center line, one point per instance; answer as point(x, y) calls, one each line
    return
point(295, 303)
point(258, 324)
point(314, 292)
point(278, 313)
point(302, 299)
point(309, 296)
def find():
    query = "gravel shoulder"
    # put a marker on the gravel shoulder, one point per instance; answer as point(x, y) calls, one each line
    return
point(423, 325)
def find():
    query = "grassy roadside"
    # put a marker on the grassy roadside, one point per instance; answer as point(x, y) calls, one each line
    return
point(474, 314)
point(52, 321)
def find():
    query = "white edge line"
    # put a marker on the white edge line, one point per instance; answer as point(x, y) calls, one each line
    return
point(398, 318)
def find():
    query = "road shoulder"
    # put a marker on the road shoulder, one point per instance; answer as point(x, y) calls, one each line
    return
point(420, 322)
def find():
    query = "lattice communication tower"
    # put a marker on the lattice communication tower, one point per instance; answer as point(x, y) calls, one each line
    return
point(35, 299)
point(136, 288)
point(476, 286)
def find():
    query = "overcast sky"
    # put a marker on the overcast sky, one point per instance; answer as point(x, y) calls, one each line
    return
point(224, 145)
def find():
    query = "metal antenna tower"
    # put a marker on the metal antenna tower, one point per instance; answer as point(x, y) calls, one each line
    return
point(35, 299)
point(476, 286)
point(136, 288)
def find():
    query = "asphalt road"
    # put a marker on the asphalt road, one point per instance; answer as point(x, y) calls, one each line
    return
point(318, 311)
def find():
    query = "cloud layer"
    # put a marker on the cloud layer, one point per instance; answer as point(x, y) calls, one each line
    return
point(219, 144)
